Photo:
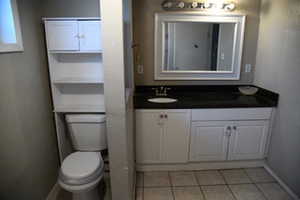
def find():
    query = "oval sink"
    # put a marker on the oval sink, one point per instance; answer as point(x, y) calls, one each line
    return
point(162, 100)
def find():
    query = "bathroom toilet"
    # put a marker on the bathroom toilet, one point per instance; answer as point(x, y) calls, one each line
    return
point(81, 171)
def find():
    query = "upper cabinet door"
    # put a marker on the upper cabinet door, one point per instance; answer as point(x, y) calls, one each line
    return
point(90, 35)
point(62, 35)
point(248, 140)
point(209, 141)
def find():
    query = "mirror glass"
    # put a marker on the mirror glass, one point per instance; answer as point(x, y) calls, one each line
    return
point(198, 46)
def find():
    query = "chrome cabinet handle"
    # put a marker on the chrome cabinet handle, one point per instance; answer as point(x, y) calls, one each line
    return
point(228, 131)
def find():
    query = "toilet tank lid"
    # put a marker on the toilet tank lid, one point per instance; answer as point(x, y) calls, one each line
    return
point(85, 118)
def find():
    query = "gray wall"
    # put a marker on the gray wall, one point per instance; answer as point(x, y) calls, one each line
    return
point(144, 36)
point(278, 69)
point(71, 8)
point(28, 150)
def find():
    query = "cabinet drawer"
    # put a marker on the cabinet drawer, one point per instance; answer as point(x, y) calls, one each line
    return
point(231, 114)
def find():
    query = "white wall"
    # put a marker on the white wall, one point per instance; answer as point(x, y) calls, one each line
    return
point(278, 69)
point(28, 149)
point(119, 125)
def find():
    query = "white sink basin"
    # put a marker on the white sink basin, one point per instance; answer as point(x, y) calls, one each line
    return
point(162, 100)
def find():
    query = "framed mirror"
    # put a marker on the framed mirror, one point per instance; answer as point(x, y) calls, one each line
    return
point(192, 46)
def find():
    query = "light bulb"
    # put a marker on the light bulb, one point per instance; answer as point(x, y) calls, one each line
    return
point(229, 7)
point(181, 5)
point(194, 4)
point(207, 4)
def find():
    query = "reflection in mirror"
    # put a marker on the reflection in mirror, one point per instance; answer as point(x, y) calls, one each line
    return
point(198, 46)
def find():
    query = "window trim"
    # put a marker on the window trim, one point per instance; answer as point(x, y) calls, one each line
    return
point(17, 47)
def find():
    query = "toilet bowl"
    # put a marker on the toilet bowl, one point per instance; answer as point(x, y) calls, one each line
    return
point(81, 171)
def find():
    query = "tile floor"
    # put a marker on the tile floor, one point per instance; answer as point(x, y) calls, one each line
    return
point(233, 184)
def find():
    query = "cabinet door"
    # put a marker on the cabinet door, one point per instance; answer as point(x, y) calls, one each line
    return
point(248, 140)
point(209, 141)
point(62, 35)
point(149, 130)
point(90, 35)
point(176, 136)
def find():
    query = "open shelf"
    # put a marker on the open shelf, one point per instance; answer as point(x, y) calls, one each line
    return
point(78, 80)
point(76, 52)
point(80, 109)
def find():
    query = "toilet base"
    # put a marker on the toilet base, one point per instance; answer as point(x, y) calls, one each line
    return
point(88, 191)
point(90, 195)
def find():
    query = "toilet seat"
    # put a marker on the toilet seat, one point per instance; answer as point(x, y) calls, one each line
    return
point(81, 168)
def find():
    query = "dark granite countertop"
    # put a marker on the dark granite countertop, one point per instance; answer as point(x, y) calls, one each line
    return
point(205, 97)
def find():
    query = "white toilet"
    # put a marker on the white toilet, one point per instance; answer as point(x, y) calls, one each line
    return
point(81, 171)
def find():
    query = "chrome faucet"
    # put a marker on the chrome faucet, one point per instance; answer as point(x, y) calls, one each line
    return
point(161, 91)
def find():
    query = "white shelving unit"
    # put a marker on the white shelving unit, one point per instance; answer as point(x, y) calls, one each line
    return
point(75, 64)
point(74, 50)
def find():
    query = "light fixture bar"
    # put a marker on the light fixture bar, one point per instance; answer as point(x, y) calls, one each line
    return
point(178, 5)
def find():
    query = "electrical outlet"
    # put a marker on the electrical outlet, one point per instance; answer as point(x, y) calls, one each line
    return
point(140, 69)
point(248, 68)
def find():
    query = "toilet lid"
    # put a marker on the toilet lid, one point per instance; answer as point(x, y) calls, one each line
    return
point(81, 167)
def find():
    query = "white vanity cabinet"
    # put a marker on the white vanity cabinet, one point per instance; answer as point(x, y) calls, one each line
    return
point(74, 35)
point(209, 141)
point(229, 134)
point(248, 140)
point(162, 136)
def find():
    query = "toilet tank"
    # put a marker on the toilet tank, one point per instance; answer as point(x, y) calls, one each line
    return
point(87, 131)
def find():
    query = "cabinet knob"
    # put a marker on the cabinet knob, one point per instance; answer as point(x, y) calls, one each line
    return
point(166, 116)
point(228, 131)
point(234, 128)
point(161, 116)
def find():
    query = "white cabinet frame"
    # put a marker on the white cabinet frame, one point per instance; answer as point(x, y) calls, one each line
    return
point(162, 18)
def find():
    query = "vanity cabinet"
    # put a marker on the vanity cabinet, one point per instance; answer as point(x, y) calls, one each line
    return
point(248, 140)
point(209, 141)
point(73, 35)
point(229, 134)
point(201, 135)
point(162, 136)
point(228, 140)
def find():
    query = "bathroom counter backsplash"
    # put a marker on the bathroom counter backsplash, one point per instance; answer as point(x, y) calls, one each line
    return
point(191, 97)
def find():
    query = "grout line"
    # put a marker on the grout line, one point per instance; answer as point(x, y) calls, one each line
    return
point(227, 185)
point(143, 184)
point(170, 180)
point(263, 194)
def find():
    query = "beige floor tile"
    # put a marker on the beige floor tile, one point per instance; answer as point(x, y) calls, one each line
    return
point(139, 194)
point(259, 175)
point(187, 193)
point(273, 191)
point(139, 179)
point(156, 179)
point(183, 179)
point(158, 194)
point(218, 192)
point(212, 177)
point(246, 192)
point(235, 176)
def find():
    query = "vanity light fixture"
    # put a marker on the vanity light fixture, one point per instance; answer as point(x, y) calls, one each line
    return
point(197, 5)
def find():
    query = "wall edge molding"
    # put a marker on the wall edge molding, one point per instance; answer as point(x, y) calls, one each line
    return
point(281, 183)
point(53, 193)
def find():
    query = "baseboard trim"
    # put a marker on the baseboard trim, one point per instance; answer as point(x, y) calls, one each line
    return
point(201, 166)
point(281, 183)
point(53, 193)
